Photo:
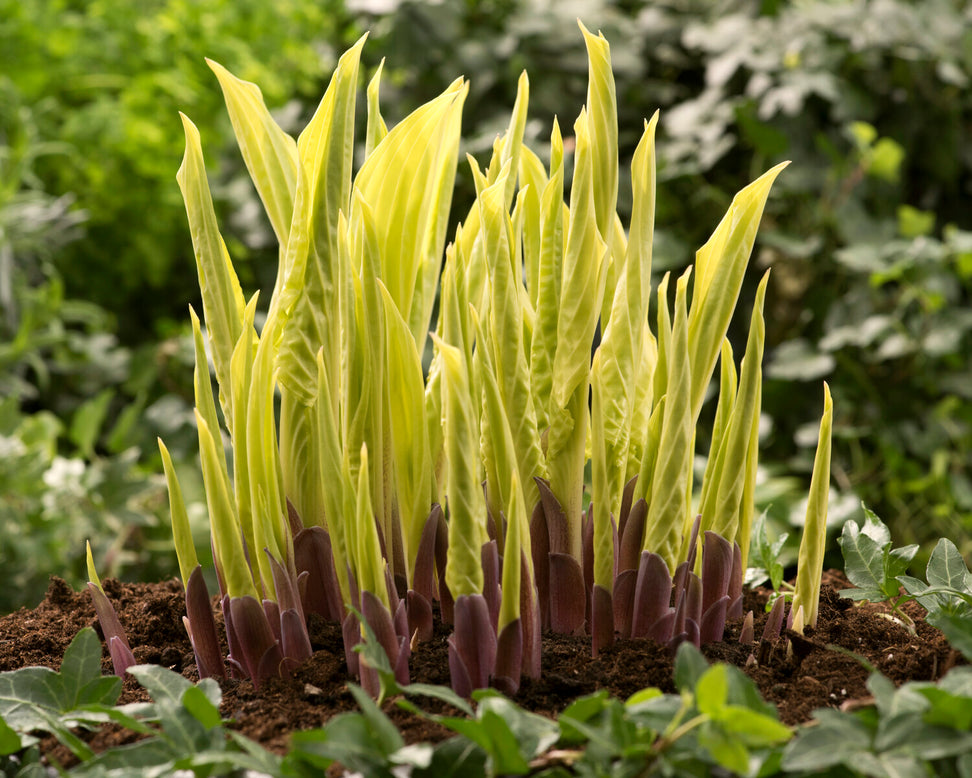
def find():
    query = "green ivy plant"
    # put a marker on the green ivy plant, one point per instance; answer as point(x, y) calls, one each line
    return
point(878, 573)
point(716, 721)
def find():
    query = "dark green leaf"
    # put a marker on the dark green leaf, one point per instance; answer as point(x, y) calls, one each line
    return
point(152, 757)
point(584, 710)
point(443, 693)
point(726, 750)
point(900, 559)
point(863, 558)
point(201, 708)
point(534, 734)
point(764, 555)
point(349, 739)
point(383, 731)
point(712, 691)
point(163, 684)
point(838, 741)
point(957, 628)
point(503, 746)
point(103, 690)
point(958, 681)
point(81, 664)
point(690, 665)
point(455, 758)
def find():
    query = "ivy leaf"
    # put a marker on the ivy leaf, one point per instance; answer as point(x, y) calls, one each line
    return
point(957, 627)
point(869, 561)
point(690, 666)
point(40, 699)
point(838, 739)
point(586, 709)
point(946, 567)
point(81, 672)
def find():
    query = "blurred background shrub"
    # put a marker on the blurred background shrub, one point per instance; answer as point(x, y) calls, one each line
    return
point(868, 232)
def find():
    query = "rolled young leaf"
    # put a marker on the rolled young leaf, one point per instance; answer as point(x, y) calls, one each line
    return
point(181, 531)
point(407, 434)
point(549, 280)
point(668, 506)
point(325, 151)
point(111, 628)
point(806, 593)
point(323, 191)
point(229, 556)
point(725, 505)
point(369, 565)
point(580, 303)
point(408, 179)
point(509, 355)
point(617, 362)
point(466, 503)
point(603, 112)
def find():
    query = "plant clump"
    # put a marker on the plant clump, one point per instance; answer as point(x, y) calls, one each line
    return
point(381, 485)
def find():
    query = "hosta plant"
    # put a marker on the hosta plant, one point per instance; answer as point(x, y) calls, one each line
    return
point(344, 447)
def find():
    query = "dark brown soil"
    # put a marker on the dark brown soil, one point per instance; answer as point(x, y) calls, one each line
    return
point(813, 676)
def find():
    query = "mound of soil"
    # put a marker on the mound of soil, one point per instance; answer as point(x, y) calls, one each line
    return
point(813, 676)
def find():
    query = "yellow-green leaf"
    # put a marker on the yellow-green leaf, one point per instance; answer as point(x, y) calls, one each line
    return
point(668, 508)
point(377, 129)
point(724, 514)
point(806, 594)
point(221, 294)
point(325, 149)
point(408, 180)
point(269, 153)
point(181, 531)
point(227, 541)
point(719, 268)
point(466, 504)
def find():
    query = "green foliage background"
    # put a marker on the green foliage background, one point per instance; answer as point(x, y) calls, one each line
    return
point(869, 231)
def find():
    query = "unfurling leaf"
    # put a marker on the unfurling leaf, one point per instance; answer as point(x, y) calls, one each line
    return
point(806, 595)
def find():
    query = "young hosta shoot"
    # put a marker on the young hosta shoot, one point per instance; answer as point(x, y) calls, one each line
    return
point(806, 595)
point(199, 622)
point(121, 652)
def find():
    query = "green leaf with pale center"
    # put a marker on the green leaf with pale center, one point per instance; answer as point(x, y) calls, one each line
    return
point(553, 226)
point(227, 540)
point(369, 564)
point(409, 436)
point(724, 512)
point(269, 153)
point(376, 129)
point(221, 294)
point(408, 179)
point(719, 269)
point(668, 508)
point(506, 337)
point(325, 150)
